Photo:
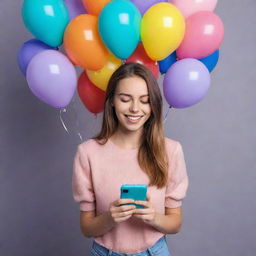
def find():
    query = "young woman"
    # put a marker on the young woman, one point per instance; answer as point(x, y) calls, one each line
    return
point(130, 149)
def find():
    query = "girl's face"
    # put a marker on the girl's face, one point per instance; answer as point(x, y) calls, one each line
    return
point(131, 102)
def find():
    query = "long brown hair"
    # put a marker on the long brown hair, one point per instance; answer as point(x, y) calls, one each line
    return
point(152, 156)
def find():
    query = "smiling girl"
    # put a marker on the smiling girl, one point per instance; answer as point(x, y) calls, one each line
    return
point(130, 149)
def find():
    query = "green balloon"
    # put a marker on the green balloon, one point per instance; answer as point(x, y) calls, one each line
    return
point(46, 20)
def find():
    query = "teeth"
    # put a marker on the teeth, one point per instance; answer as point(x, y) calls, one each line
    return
point(134, 118)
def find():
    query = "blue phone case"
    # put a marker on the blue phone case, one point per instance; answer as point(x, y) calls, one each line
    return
point(137, 192)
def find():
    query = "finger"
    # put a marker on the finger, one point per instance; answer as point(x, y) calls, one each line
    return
point(127, 213)
point(123, 201)
point(123, 214)
point(124, 208)
point(142, 217)
point(144, 203)
point(142, 211)
point(148, 197)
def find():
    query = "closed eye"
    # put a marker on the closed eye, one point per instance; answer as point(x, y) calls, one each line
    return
point(124, 100)
point(143, 102)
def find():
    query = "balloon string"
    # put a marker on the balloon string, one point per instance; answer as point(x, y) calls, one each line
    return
point(77, 124)
point(165, 118)
point(65, 127)
point(62, 122)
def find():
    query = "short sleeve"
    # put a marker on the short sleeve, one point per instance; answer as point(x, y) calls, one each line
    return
point(82, 181)
point(177, 179)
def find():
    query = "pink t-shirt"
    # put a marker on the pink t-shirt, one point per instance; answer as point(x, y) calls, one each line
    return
point(98, 173)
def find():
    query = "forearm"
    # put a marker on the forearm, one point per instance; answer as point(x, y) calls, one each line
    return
point(167, 224)
point(97, 226)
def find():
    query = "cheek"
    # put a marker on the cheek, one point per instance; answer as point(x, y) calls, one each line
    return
point(119, 107)
point(147, 109)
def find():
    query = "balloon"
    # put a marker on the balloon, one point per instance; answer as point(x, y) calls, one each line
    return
point(83, 44)
point(119, 27)
point(94, 6)
point(28, 50)
point(162, 30)
point(167, 62)
point(189, 7)
point(140, 56)
point(75, 8)
point(186, 83)
point(101, 77)
point(52, 78)
point(46, 20)
point(211, 61)
point(204, 35)
point(91, 96)
point(143, 5)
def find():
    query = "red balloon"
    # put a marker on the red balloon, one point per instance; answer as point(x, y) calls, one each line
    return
point(140, 56)
point(91, 96)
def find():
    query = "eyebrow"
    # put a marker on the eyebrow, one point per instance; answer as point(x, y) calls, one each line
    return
point(126, 94)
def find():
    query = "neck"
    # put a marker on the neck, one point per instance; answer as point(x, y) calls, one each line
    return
point(127, 140)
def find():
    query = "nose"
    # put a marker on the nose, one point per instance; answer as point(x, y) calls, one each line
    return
point(134, 107)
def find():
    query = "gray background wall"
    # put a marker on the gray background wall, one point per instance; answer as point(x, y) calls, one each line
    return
point(37, 212)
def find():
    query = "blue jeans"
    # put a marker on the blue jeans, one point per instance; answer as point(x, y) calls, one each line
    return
point(160, 248)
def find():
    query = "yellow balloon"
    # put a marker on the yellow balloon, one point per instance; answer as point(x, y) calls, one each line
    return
point(162, 30)
point(101, 77)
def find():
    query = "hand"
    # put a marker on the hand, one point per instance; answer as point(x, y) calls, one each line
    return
point(119, 212)
point(147, 214)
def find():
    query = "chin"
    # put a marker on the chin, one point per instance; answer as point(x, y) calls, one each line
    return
point(132, 129)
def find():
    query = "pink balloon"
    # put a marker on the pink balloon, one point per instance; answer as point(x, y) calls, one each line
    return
point(204, 35)
point(188, 7)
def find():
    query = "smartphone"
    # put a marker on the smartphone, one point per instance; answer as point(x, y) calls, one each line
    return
point(134, 191)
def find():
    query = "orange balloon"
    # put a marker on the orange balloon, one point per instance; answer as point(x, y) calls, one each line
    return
point(83, 44)
point(94, 6)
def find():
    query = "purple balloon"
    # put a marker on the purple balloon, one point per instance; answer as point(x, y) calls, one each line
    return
point(75, 8)
point(52, 78)
point(186, 83)
point(28, 50)
point(143, 5)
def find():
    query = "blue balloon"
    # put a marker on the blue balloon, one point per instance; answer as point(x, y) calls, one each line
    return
point(167, 62)
point(46, 20)
point(28, 50)
point(119, 27)
point(211, 61)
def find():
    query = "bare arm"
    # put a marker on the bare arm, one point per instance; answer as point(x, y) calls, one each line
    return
point(93, 226)
point(170, 223)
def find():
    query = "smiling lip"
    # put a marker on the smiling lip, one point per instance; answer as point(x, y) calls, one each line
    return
point(133, 120)
point(138, 117)
point(133, 116)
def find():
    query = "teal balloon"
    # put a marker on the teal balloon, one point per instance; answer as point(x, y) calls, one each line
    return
point(119, 27)
point(46, 20)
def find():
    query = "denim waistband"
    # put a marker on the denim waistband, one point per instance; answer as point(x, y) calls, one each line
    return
point(104, 251)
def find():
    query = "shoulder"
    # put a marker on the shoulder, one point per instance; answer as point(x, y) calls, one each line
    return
point(173, 149)
point(90, 146)
point(172, 145)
